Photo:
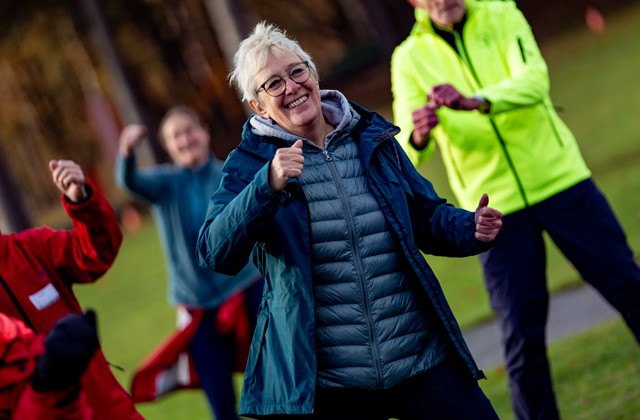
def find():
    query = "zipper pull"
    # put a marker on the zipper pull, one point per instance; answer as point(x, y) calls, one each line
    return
point(326, 155)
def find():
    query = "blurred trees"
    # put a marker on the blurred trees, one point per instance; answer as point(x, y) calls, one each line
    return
point(74, 71)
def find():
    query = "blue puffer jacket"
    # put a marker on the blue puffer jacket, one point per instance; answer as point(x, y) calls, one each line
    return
point(246, 217)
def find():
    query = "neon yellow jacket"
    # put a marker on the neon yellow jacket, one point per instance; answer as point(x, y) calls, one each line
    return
point(521, 152)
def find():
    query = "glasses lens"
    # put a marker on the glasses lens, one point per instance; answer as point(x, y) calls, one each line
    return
point(299, 73)
point(277, 85)
point(274, 86)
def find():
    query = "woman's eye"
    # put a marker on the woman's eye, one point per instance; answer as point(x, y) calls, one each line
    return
point(274, 84)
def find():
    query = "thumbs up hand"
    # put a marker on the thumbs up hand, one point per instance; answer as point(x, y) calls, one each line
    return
point(287, 163)
point(488, 220)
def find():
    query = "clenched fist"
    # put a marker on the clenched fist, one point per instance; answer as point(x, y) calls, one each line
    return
point(287, 163)
point(131, 137)
point(69, 178)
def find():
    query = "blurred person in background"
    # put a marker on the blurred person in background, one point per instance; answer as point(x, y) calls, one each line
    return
point(39, 266)
point(178, 194)
point(470, 77)
point(40, 373)
point(353, 324)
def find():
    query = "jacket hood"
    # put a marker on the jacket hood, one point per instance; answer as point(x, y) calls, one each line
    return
point(335, 109)
point(260, 137)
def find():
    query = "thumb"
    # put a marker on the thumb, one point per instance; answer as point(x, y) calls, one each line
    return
point(298, 144)
point(484, 201)
point(53, 164)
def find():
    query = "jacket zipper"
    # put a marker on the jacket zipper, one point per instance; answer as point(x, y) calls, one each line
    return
point(16, 303)
point(458, 342)
point(462, 48)
point(357, 262)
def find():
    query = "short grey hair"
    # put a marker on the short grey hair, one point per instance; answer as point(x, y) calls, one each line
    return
point(253, 52)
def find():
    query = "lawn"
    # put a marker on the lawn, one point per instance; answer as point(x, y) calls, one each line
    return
point(596, 376)
point(594, 79)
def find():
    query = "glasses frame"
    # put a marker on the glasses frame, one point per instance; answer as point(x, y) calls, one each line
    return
point(288, 74)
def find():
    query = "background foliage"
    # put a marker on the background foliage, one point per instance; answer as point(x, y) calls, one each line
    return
point(73, 74)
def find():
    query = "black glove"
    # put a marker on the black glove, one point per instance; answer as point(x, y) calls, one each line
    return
point(69, 347)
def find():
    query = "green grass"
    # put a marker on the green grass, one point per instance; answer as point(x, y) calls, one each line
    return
point(596, 376)
point(594, 79)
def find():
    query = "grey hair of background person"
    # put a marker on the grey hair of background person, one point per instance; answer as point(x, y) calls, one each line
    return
point(265, 40)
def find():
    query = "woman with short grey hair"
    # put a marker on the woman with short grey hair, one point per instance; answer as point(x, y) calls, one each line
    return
point(353, 322)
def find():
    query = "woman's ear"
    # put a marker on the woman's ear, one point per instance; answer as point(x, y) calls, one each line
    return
point(255, 105)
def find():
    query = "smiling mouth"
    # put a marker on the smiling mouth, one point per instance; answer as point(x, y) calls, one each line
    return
point(298, 102)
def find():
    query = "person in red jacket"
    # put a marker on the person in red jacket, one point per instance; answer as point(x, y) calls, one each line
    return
point(40, 377)
point(38, 267)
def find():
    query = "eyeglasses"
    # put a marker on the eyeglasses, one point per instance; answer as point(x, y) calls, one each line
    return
point(276, 85)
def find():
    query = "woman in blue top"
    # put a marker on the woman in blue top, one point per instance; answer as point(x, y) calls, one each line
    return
point(353, 323)
point(178, 194)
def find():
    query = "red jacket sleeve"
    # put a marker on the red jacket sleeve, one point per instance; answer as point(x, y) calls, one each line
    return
point(85, 252)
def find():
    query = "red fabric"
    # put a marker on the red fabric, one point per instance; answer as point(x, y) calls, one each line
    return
point(232, 318)
point(19, 349)
point(38, 267)
point(42, 406)
point(169, 366)
point(161, 372)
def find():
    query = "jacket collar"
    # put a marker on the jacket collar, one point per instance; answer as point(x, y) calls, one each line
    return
point(336, 110)
point(368, 127)
point(371, 131)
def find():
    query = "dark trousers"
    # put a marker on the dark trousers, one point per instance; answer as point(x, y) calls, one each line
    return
point(213, 356)
point(585, 229)
point(446, 391)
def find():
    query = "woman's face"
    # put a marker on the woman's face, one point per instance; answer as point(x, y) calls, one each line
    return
point(297, 109)
point(186, 141)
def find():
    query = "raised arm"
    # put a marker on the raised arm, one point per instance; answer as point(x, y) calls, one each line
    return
point(87, 250)
point(143, 183)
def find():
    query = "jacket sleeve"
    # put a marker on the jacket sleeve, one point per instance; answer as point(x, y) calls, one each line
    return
point(85, 252)
point(529, 81)
point(439, 228)
point(408, 95)
point(236, 214)
point(147, 184)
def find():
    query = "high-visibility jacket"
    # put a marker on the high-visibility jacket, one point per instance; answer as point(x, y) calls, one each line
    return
point(521, 153)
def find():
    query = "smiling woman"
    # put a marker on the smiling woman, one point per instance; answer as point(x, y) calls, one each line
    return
point(351, 317)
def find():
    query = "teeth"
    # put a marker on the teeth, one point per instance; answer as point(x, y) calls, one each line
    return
point(298, 102)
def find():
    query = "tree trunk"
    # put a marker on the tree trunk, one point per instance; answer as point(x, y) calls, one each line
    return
point(13, 214)
point(130, 111)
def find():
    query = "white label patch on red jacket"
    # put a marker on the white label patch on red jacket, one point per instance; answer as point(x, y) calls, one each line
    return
point(44, 297)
